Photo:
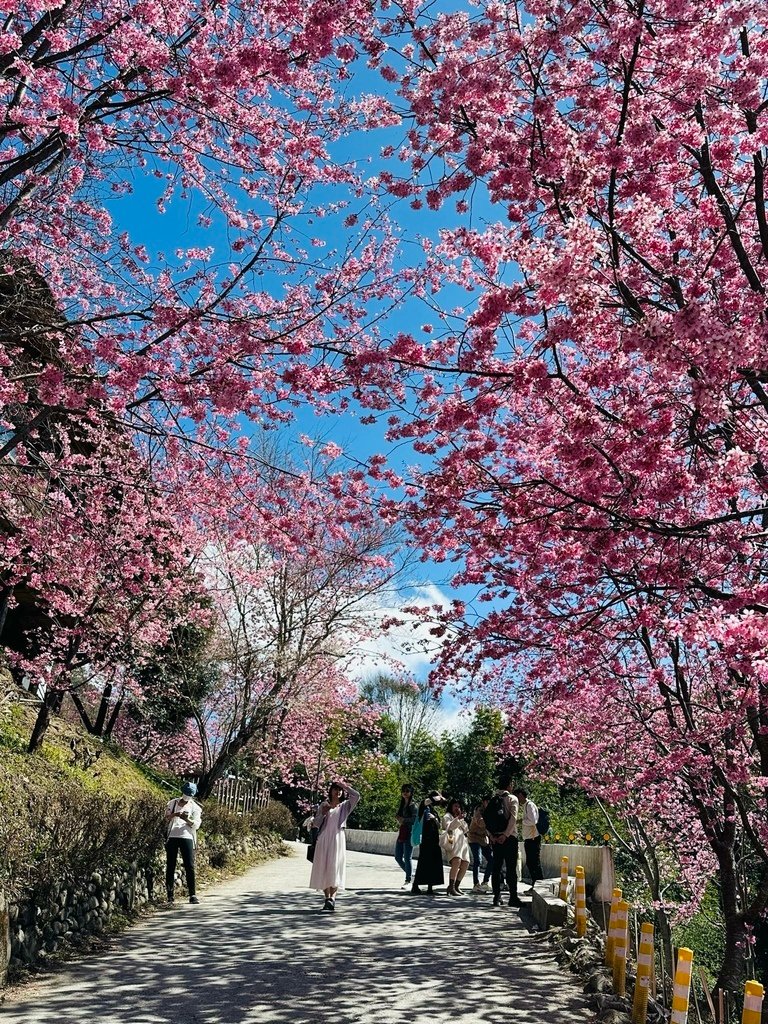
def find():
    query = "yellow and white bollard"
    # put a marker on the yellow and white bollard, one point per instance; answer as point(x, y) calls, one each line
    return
point(620, 942)
point(645, 969)
point(619, 928)
point(581, 903)
point(563, 892)
point(753, 1003)
point(609, 939)
point(682, 989)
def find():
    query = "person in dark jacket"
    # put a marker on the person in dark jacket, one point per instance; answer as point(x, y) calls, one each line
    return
point(406, 816)
point(429, 867)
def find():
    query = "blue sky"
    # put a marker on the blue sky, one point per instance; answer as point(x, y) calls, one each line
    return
point(177, 228)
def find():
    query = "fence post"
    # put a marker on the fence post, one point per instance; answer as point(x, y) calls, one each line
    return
point(682, 987)
point(753, 1003)
point(610, 937)
point(645, 969)
point(563, 892)
point(581, 903)
point(620, 933)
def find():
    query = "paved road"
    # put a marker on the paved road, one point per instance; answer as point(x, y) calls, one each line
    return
point(258, 951)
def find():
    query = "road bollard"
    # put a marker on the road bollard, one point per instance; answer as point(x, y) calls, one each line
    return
point(609, 939)
point(581, 903)
point(645, 968)
point(563, 892)
point(620, 941)
point(753, 1003)
point(682, 987)
point(619, 927)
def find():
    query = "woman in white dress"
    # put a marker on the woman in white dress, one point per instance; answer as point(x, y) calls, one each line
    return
point(454, 842)
point(329, 865)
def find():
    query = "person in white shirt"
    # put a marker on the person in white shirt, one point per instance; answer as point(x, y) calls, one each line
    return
point(182, 818)
point(531, 837)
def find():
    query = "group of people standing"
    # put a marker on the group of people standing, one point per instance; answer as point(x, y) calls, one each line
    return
point(489, 840)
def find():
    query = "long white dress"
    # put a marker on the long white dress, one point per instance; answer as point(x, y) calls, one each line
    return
point(329, 868)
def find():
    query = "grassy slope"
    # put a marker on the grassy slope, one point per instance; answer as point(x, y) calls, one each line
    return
point(93, 765)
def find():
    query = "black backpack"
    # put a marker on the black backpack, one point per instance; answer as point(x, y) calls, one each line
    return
point(542, 825)
point(495, 815)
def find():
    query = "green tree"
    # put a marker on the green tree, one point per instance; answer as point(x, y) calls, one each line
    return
point(471, 762)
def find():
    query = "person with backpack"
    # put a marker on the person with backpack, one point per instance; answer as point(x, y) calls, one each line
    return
point(531, 836)
point(500, 818)
point(407, 814)
point(429, 866)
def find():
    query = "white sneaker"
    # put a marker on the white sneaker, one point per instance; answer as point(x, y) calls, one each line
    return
point(477, 888)
point(484, 887)
point(406, 885)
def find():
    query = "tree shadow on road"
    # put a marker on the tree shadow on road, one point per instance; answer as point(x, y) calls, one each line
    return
point(384, 956)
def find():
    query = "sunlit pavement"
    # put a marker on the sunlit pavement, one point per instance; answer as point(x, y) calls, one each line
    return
point(258, 949)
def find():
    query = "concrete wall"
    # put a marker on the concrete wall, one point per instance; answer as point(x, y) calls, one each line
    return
point(597, 861)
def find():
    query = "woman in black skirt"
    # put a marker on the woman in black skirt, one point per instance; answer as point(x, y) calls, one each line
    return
point(429, 867)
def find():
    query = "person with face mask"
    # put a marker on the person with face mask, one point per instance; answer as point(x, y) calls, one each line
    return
point(329, 864)
point(182, 818)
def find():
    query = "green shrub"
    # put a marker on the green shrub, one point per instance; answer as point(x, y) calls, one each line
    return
point(47, 837)
point(220, 824)
point(275, 817)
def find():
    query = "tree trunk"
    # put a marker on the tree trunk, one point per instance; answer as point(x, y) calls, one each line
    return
point(5, 596)
point(664, 933)
point(731, 974)
point(113, 718)
point(101, 716)
point(82, 711)
point(50, 705)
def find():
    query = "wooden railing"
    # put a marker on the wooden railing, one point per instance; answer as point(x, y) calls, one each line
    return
point(241, 796)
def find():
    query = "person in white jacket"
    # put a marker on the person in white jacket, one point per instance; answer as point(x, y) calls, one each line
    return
point(182, 818)
point(453, 841)
point(531, 836)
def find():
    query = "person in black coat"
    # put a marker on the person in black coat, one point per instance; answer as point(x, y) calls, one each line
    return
point(429, 867)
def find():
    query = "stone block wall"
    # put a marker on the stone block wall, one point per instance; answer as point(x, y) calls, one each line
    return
point(39, 926)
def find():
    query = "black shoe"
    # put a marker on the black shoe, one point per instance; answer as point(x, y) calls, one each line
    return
point(327, 904)
point(514, 902)
point(194, 899)
point(415, 891)
point(332, 906)
point(497, 901)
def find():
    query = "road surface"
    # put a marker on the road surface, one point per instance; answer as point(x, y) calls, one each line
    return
point(259, 951)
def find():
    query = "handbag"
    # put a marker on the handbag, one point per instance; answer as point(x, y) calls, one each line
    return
point(446, 841)
point(313, 833)
point(416, 832)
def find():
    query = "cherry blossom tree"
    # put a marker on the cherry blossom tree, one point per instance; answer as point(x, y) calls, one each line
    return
point(126, 374)
point(291, 580)
point(595, 410)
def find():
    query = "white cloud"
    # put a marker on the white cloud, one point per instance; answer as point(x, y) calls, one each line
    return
point(409, 644)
